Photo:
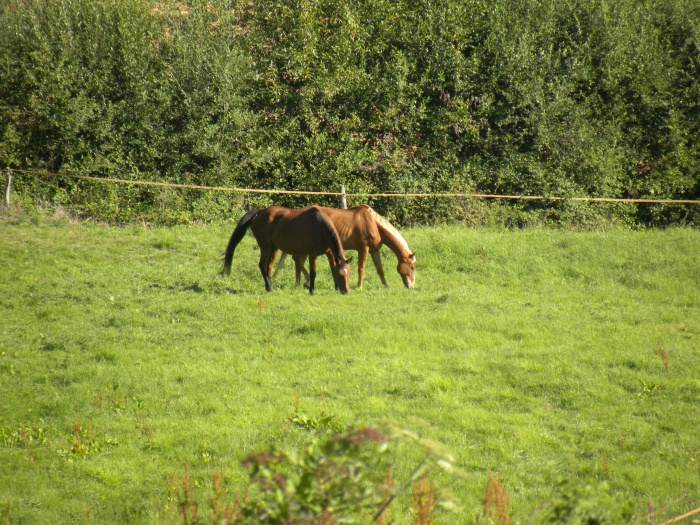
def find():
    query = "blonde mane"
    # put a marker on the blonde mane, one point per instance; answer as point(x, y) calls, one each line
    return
point(389, 229)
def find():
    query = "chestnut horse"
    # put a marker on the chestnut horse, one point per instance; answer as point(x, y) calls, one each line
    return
point(302, 233)
point(363, 229)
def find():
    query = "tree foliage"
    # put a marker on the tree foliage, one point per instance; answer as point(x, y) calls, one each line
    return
point(568, 98)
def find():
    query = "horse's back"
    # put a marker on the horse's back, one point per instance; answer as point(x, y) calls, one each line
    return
point(264, 223)
point(301, 232)
point(356, 227)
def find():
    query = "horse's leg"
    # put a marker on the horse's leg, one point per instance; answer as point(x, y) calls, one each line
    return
point(312, 273)
point(263, 264)
point(298, 267)
point(377, 258)
point(361, 265)
point(273, 257)
point(299, 261)
point(307, 277)
point(279, 266)
point(267, 258)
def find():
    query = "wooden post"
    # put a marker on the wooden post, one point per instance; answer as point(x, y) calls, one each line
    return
point(8, 186)
point(343, 201)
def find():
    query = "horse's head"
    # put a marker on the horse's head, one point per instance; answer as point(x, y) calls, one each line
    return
point(341, 275)
point(407, 270)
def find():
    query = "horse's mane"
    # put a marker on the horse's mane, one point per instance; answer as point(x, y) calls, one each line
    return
point(336, 245)
point(390, 230)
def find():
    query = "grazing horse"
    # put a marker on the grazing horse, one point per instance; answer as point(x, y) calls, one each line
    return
point(302, 233)
point(363, 229)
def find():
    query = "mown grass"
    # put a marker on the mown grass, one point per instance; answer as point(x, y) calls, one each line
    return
point(535, 354)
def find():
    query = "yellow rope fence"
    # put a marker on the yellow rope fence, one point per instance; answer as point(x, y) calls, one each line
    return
point(341, 194)
point(684, 516)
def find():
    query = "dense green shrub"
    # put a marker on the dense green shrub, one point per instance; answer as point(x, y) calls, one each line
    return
point(337, 476)
point(576, 98)
point(351, 476)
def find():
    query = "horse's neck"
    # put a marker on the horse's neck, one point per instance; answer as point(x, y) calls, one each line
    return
point(391, 237)
point(395, 243)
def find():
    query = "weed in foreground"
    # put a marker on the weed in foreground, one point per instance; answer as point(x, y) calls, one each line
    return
point(82, 441)
point(343, 478)
point(497, 502)
point(424, 501)
point(589, 504)
point(338, 479)
point(184, 499)
point(5, 513)
point(664, 355)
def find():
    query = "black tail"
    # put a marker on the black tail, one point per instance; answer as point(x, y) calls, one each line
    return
point(236, 236)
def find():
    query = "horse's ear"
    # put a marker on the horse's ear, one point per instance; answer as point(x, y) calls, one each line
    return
point(348, 260)
point(413, 255)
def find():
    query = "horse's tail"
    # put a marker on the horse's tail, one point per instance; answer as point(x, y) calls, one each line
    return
point(236, 236)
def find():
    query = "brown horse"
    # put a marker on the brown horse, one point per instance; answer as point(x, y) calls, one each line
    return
point(302, 233)
point(363, 229)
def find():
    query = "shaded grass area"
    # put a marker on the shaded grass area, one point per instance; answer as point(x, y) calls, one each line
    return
point(533, 354)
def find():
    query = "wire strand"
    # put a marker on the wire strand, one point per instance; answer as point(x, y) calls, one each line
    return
point(339, 194)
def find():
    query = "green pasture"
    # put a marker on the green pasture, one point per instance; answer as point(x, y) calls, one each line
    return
point(538, 355)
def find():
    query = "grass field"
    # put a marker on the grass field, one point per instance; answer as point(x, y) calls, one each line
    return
point(533, 354)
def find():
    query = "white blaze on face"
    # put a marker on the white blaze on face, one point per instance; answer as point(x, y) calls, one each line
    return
point(410, 281)
point(407, 269)
point(343, 280)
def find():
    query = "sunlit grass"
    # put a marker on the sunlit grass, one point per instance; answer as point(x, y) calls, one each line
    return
point(533, 354)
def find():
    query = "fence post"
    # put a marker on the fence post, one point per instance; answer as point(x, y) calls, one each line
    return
point(343, 201)
point(8, 186)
